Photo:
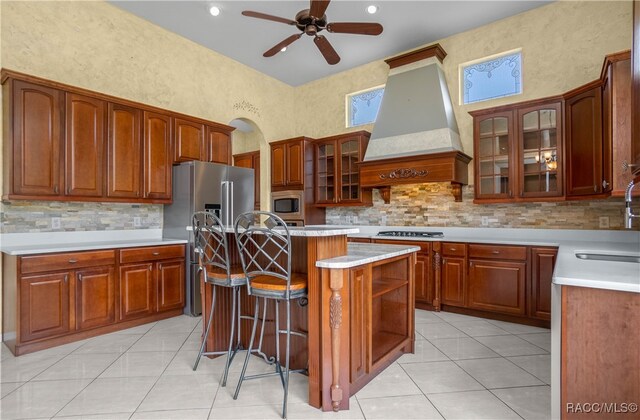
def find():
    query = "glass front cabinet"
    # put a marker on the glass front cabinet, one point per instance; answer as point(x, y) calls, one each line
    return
point(518, 152)
point(337, 181)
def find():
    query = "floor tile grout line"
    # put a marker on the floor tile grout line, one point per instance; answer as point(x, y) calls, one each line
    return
point(94, 379)
point(423, 393)
point(506, 405)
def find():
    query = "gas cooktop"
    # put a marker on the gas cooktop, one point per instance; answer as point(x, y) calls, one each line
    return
point(413, 234)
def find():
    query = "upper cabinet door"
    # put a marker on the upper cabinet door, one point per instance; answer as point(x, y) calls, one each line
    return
point(540, 150)
point(218, 147)
point(636, 88)
point(349, 150)
point(84, 145)
point(157, 156)
point(124, 152)
point(278, 163)
point(36, 139)
point(189, 141)
point(494, 155)
point(295, 164)
point(584, 143)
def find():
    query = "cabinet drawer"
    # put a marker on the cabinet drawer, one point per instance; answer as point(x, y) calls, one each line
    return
point(66, 261)
point(151, 253)
point(454, 249)
point(424, 246)
point(498, 252)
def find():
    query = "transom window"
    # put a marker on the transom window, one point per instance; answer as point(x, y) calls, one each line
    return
point(362, 107)
point(491, 77)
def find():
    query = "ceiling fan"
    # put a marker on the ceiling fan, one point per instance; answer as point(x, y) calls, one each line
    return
point(312, 21)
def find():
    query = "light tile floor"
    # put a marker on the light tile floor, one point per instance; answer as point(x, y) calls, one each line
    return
point(463, 368)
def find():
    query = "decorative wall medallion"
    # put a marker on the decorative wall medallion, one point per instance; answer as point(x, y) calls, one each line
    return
point(247, 106)
point(405, 173)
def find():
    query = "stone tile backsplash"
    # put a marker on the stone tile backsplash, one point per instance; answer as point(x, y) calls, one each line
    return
point(36, 216)
point(433, 205)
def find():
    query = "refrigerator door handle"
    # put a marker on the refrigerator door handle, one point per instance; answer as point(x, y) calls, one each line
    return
point(231, 213)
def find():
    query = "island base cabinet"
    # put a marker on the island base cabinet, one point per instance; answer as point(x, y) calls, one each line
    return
point(95, 294)
point(497, 286)
point(46, 306)
point(600, 351)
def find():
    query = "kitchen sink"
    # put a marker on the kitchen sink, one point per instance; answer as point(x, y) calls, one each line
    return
point(608, 257)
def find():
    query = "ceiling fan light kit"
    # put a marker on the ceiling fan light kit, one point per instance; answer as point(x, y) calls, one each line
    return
point(312, 21)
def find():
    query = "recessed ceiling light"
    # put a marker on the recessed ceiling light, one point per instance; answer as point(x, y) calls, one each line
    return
point(372, 9)
point(215, 11)
point(283, 49)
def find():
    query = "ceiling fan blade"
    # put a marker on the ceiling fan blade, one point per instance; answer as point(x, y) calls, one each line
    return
point(276, 48)
point(358, 28)
point(268, 17)
point(327, 50)
point(318, 7)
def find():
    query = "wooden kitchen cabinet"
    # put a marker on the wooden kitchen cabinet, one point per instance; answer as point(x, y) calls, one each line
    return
point(137, 297)
point(218, 146)
point(189, 141)
point(360, 298)
point(95, 297)
point(124, 151)
point(251, 160)
point(519, 149)
point(542, 262)
point(170, 285)
point(635, 107)
point(291, 164)
point(53, 299)
point(454, 281)
point(157, 162)
point(337, 177)
point(616, 122)
point(34, 124)
point(45, 306)
point(599, 350)
point(583, 132)
point(424, 286)
point(84, 145)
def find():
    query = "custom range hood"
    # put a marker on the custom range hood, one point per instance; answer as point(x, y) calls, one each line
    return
point(415, 138)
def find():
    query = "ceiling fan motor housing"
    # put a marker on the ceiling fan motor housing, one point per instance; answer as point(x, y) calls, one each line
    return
point(308, 24)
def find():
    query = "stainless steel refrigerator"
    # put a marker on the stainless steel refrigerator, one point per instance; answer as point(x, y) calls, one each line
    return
point(224, 190)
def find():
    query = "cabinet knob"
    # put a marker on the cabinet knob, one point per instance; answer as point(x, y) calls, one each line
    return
point(495, 252)
point(55, 189)
point(66, 278)
point(471, 264)
point(72, 261)
point(605, 185)
point(155, 254)
point(452, 249)
point(595, 188)
point(149, 267)
point(79, 277)
point(159, 266)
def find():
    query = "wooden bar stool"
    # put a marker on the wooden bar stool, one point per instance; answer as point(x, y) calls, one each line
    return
point(264, 245)
point(210, 243)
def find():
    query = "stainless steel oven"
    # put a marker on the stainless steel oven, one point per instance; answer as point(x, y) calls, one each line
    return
point(289, 205)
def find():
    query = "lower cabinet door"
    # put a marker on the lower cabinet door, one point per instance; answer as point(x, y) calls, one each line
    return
point(453, 281)
point(171, 285)
point(136, 291)
point(95, 297)
point(359, 283)
point(542, 262)
point(497, 286)
point(45, 304)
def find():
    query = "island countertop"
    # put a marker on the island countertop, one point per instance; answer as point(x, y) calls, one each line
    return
point(360, 254)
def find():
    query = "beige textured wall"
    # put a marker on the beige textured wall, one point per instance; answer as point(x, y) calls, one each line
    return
point(563, 46)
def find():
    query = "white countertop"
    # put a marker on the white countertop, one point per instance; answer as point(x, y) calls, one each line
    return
point(44, 243)
point(569, 270)
point(360, 254)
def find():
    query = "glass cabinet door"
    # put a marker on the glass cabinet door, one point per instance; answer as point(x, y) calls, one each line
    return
point(540, 149)
point(325, 175)
point(349, 176)
point(494, 156)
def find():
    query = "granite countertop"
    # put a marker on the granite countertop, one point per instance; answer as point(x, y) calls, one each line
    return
point(45, 243)
point(360, 254)
point(569, 270)
point(314, 231)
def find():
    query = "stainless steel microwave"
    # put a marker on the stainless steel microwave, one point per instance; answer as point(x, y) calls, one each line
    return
point(288, 204)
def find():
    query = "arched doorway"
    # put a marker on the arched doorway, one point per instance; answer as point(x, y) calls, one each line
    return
point(247, 137)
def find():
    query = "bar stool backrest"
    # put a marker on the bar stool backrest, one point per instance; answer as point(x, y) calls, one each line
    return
point(210, 241)
point(264, 245)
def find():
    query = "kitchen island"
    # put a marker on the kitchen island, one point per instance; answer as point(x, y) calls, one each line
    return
point(359, 314)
